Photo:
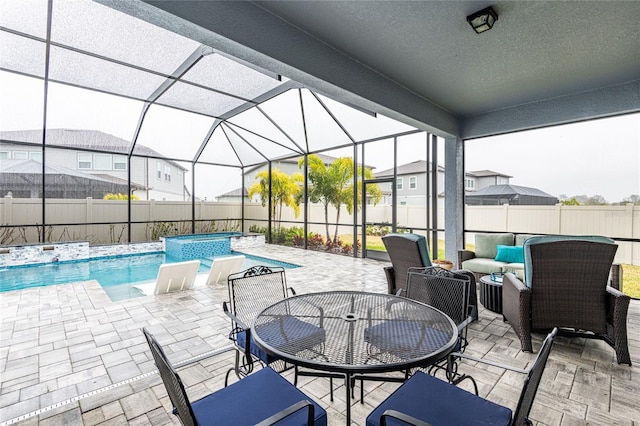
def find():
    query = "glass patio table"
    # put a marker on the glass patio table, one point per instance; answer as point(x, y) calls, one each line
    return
point(363, 334)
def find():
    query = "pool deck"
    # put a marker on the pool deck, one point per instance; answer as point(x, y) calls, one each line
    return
point(69, 355)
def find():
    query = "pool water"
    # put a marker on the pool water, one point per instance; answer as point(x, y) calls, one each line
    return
point(116, 274)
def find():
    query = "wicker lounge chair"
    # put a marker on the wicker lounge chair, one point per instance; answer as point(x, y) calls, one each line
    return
point(409, 251)
point(566, 287)
point(424, 399)
point(264, 397)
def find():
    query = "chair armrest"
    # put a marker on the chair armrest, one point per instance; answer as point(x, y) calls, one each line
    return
point(239, 327)
point(289, 411)
point(487, 362)
point(616, 276)
point(390, 273)
point(402, 417)
point(618, 307)
point(465, 255)
point(516, 308)
point(465, 323)
point(292, 291)
point(618, 304)
point(234, 318)
point(473, 293)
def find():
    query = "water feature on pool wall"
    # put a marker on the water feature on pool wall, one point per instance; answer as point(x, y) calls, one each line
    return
point(186, 247)
point(197, 246)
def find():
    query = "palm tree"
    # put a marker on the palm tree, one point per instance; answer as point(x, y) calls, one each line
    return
point(333, 185)
point(284, 192)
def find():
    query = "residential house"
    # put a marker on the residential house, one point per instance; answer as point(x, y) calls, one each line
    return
point(88, 156)
point(497, 195)
point(479, 179)
point(411, 183)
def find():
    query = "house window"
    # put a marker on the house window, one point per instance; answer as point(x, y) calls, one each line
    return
point(84, 161)
point(469, 184)
point(5, 155)
point(167, 173)
point(159, 170)
point(36, 156)
point(413, 182)
point(101, 162)
point(399, 184)
point(119, 162)
point(20, 155)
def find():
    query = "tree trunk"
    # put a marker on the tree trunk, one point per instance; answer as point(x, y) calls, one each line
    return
point(335, 235)
point(326, 220)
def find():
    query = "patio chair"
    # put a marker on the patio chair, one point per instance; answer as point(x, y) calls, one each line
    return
point(567, 287)
point(263, 398)
point(408, 251)
point(424, 399)
point(251, 291)
point(222, 267)
point(441, 289)
point(405, 251)
point(172, 277)
point(450, 293)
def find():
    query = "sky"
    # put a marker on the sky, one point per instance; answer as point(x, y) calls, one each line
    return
point(594, 157)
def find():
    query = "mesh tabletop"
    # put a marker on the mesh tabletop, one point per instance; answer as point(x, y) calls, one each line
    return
point(354, 332)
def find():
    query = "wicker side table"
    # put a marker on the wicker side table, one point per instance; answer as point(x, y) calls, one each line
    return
point(491, 294)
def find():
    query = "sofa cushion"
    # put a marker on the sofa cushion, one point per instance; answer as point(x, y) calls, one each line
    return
point(486, 244)
point(521, 238)
point(483, 265)
point(515, 268)
point(510, 254)
point(552, 238)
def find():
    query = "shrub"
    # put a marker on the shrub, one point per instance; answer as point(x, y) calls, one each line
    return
point(315, 240)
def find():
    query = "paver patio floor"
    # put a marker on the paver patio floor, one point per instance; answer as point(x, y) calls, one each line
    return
point(70, 356)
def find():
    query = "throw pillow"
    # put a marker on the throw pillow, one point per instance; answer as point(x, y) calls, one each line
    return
point(510, 254)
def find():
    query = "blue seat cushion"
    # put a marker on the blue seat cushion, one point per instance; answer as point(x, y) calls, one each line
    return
point(407, 338)
point(439, 403)
point(253, 399)
point(286, 330)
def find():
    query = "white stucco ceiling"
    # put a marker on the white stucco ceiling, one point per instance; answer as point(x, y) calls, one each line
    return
point(536, 50)
point(543, 63)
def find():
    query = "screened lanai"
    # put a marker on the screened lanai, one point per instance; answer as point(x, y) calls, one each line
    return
point(158, 119)
point(98, 92)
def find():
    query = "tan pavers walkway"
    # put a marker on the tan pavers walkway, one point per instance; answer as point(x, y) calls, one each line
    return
point(74, 357)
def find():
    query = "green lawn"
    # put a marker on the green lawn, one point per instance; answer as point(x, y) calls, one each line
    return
point(631, 280)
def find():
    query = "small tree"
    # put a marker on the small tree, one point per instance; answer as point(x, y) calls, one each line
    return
point(333, 185)
point(284, 192)
point(118, 196)
point(570, 202)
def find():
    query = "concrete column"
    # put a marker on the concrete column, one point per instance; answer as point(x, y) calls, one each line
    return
point(8, 209)
point(453, 197)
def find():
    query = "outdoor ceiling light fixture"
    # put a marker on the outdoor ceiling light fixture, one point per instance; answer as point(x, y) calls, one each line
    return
point(483, 20)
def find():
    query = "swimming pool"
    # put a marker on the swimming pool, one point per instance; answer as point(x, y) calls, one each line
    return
point(116, 274)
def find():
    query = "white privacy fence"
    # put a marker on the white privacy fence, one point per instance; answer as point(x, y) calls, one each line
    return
point(153, 218)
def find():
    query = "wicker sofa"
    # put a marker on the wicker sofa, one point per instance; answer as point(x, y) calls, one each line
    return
point(495, 253)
